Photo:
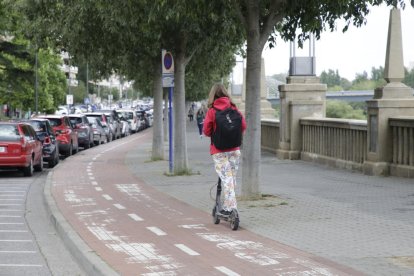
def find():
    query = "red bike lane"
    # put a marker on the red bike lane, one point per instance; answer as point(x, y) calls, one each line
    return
point(138, 230)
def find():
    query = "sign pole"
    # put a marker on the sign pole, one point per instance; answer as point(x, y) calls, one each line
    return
point(168, 81)
point(170, 129)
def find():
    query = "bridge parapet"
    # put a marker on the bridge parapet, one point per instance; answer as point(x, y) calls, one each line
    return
point(338, 142)
point(402, 146)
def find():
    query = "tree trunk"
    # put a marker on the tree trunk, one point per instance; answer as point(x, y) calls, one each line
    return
point(158, 131)
point(179, 124)
point(251, 143)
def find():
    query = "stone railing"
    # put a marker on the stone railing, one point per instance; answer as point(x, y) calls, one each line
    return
point(402, 146)
point(270, 135)
point(337, 142)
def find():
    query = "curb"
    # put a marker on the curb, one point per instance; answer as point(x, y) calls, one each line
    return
point(91, 263)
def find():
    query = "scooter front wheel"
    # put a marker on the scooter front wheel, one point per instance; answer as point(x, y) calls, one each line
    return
point(216, 218)
point(234, 220)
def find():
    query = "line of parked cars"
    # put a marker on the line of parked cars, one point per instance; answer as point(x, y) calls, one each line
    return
point(26, 144)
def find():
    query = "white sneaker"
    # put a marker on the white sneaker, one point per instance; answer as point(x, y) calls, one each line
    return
point(201, 136)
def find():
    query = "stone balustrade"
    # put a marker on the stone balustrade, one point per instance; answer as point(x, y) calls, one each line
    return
point(402, 146)
point(338, 142)
point(343, 143)
point(270, 135)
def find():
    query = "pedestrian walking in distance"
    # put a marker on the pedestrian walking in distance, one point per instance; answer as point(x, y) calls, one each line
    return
point(225, 125)
point(191, 114)
point(200, 120)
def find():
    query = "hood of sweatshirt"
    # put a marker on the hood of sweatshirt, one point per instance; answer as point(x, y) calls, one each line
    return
point(222, 103)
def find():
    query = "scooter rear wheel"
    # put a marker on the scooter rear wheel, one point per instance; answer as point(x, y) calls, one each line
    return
point(216, 219)
point(234, 220)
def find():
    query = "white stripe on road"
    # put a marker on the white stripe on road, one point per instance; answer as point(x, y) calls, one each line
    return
point(107, 197)
point(90, 174)
point(99, 189)
point(226, 271)
point(135, 217)
point(26, 252)
point(91, 178)
point(12, 195)
point(20, 265)
point(157, 231)
point(186, 249)
point(13, 231)
point(11, 204)
point(11, 210)
point(7, 223)
point(16, 241)
point(6, 216)
point(19, 199)
point(119, 206)
point(94, 183)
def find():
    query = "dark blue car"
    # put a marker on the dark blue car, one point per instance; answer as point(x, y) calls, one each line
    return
point(47, 136)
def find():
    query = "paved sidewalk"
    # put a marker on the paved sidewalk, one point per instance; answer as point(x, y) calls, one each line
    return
point(364, 222)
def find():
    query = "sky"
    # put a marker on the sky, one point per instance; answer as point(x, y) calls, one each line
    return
point(356, 51)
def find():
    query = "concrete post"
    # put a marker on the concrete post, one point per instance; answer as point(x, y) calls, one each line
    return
point(302, 96)
point(266, 109)
point(393, 100)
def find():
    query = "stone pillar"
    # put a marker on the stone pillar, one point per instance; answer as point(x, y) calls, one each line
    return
point(301, 96)
point(266, 109)
point(393, 100)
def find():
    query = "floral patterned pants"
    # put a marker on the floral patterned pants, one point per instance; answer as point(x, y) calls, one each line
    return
point(226, 165)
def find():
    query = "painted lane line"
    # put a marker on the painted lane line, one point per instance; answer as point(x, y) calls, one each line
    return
point(12, 199)
point(157, 231)
point(11, 210)
point(94, 183)
point(99, 189)
point(12, 195)
point(16, 241)
point(25, 252)
point(186, 249)
point(91, 178)
point(11, 223)
point(119, 206)
point(20, 265)
point(135, 217)
point(8, 191)
point(6, 216)
point(11, 204)
point(13, 231)
point(90, 174)
point(107, 197)
point(226, 271)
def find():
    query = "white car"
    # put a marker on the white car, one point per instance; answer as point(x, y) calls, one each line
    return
point(62, 110)
point(131, 117)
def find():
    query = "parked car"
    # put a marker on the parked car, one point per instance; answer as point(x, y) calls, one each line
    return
point(20, 148)
point(131, 117)
point(48, 138)
point(82, 126)
point(142, 118)
point(99, 134)
point(104, 121)
point(113, 122)
point(66, 135)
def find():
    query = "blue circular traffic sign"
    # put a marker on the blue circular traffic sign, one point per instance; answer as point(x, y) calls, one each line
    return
point(168, 61)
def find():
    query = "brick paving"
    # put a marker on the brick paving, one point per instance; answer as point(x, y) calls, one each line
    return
point(364, 222)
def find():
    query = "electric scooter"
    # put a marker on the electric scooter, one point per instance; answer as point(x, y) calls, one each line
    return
point(233, 217)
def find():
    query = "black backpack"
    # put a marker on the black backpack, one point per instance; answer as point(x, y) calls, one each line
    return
point(228, 132)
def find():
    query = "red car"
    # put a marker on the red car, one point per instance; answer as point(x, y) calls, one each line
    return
point(20, 148)
point(66, 135)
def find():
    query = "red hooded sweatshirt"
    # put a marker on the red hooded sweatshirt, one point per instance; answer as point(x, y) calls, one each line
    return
point(210, 121)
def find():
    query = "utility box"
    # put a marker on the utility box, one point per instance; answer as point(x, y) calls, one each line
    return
point(303, 65)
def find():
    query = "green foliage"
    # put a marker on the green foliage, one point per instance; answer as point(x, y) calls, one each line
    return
point(341, 109)
point(409, 77)
point(51, 81)
point(331, 78)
